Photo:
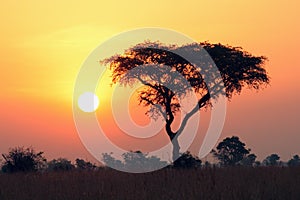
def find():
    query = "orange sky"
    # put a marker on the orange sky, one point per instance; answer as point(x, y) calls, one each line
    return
point(43, 45)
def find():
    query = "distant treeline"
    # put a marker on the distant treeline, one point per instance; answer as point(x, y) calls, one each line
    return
point(230, 152)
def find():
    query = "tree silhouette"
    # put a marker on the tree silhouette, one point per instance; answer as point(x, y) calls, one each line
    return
point(237, 69)
point(295, 161)
point(22, 159)
point(271, 160)
point(231, 151)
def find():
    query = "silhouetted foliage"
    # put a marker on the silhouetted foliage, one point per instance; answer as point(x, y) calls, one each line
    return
point(207, 164)
point(295, 161)
point(134, 161)
point(22, 159)
point(84, 165)
point(271, 160)
point(138, 160)
point(187, 160)
point(231, 151)
point(237, 68)
point(249, 160)
point(110, 161)
point(60, 164)
point(257, 163)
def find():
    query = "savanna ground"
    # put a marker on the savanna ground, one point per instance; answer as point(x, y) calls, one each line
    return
point(206, 183)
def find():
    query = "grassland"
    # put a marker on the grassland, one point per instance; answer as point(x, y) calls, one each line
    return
point(206, 183)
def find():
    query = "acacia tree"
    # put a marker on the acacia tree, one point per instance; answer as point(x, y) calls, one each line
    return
point(237, 69)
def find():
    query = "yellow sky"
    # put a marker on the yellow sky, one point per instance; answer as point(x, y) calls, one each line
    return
point(44, 43)
point(49, 40)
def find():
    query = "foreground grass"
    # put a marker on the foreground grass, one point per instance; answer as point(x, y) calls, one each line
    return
point(210, 183)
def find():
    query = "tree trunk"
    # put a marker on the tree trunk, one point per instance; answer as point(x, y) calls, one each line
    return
point(176, 148)
point(174, 139)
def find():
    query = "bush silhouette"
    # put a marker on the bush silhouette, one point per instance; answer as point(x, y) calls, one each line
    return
point(22, 159)
point(295, 161)
point(60, 164)
point(271, 160)
point(84, 165)
point(134, 161)
point(187, 160)
point(249, 160)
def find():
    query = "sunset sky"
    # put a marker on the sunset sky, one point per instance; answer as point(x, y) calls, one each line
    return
point(43, 45)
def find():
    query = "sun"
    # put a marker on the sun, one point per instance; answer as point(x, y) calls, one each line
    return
point(88, 102)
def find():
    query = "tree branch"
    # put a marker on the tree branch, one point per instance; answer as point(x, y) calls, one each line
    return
point(156, 106)
point(201, 103)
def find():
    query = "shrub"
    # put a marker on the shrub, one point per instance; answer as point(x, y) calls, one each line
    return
point(22, 159)
point(60, 164)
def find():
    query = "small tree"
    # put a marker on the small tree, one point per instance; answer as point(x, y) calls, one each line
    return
point(60, 164)
point(187, 160)
point(22, 159)
point(271, 160)
point(231, 151)
point(295, 161)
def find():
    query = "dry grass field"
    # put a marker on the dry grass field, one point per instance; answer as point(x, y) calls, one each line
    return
point(206, 183)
